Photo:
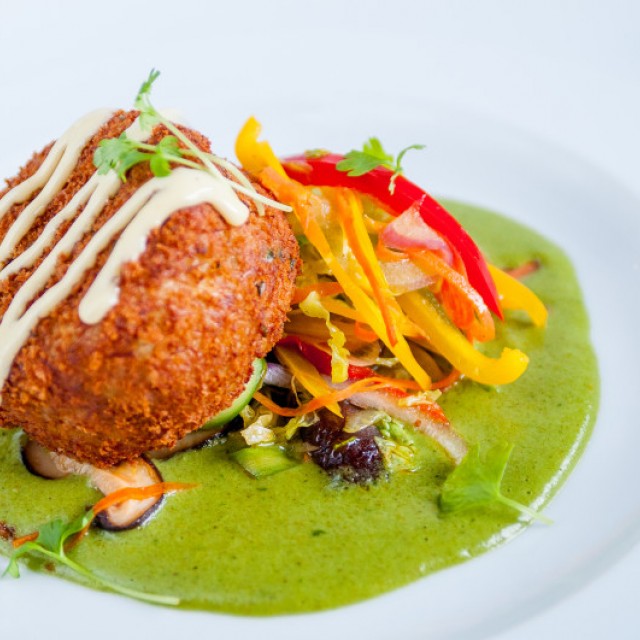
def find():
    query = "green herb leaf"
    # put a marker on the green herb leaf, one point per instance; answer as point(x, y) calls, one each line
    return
point(121, 154)
point(398, 165)
point(357, 163)
point(149, 117)
point(476, 481)
point(373, 155)
point(50, 543)
point(145, 87)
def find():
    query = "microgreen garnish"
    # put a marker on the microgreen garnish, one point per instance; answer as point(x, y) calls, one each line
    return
point(149, 117)
point(51, 541)
point(373, 155)
point(476, 481)
point(123, 153)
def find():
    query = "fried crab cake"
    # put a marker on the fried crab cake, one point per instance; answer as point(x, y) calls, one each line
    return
point(204, 299)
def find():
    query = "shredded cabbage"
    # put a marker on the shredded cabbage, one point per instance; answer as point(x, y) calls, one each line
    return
point(258, 425)
point(312, 306)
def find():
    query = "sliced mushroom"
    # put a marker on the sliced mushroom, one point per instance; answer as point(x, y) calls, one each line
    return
point(137, 473)
point(192, 440)
point(39, 461)
point(132, 513)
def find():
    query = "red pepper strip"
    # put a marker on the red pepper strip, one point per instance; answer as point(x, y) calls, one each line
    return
point(322, 171)
point(321, 360)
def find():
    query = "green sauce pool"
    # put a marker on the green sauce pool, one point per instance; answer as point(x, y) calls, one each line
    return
point(296, 542)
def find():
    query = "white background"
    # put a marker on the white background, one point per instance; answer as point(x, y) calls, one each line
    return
point(566, 71)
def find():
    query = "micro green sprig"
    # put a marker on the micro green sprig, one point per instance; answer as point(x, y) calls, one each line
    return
point(50, 543)
point(372, 156)
point(122, 153)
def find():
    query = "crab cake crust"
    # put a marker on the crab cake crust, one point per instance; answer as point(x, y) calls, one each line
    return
point(201, 303)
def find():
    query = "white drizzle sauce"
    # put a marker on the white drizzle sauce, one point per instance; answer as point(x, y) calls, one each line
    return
point(147, 209)
point(50, 177)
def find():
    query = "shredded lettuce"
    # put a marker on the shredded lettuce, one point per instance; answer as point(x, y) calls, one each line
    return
point(312, 306)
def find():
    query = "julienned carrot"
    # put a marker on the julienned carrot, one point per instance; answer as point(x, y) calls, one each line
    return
point(131, 493)
point(117, 497)
point(366, 384)
point(361, 332)
point(30, 537)
point(349, 209)
point(387, 255)
point(306, 205)
point(447, 381)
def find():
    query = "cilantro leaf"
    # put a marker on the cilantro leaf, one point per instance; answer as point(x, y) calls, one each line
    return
point(357, 163)
point(373, 155)
point(476, 481)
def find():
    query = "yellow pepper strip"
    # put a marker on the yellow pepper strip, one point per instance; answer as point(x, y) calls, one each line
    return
point(307, 375)
point(255, 156)
point(464, 304)
point(305, 203)
point(448, 341)
point(514, 295)
point(313, 307)
point(341, 308)
point(350, 213)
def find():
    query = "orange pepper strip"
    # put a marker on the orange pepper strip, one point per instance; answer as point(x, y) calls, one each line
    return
point(464, 302)
point(305, 203)
point(350, 213)
point(366, 384)
point(321, 288)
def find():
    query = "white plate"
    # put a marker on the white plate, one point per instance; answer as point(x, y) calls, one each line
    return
point(597, 517)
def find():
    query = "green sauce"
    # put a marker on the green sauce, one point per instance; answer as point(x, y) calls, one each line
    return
point(294, 541)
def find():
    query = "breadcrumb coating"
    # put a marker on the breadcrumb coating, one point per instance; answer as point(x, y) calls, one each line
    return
point(201, 303)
